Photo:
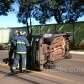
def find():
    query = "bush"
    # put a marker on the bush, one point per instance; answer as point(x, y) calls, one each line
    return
point(81, 44)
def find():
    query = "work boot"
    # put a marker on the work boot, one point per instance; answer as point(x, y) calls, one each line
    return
point(23, 70)
point(13, 71)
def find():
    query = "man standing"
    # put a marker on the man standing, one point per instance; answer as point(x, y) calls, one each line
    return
point(20, 42)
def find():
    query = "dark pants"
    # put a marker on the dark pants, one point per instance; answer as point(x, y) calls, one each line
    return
point(21, 60)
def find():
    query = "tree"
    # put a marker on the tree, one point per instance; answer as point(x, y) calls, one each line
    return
point(62, 10)
point(25, 8)
point(5, 6)
point(42, 10)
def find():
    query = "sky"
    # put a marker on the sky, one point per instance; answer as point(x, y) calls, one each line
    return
point(12, 21)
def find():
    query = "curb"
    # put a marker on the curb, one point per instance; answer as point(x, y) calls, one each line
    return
point(3, 65)
point(77, 52)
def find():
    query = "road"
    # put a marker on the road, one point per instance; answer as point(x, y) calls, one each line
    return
point(66, 71)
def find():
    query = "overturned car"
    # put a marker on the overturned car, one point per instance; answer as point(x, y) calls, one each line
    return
point(47, 49)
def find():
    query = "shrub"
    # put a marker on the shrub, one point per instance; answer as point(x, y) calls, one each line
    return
point(81, 44)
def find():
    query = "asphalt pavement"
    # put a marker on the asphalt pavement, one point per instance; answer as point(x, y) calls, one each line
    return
point(66, 71)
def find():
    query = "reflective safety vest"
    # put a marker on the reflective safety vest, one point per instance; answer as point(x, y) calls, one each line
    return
point(21, 43)
point(20, 52)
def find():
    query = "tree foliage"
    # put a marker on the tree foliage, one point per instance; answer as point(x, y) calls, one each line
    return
point(5, 6)
point(42, 10)
point(63, 10)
